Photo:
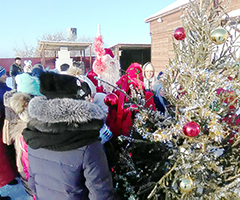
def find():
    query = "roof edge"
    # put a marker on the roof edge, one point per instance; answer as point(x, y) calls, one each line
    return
point(131, 44)
point(172, 8)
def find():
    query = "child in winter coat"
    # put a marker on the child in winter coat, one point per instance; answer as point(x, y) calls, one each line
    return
point(66, 158)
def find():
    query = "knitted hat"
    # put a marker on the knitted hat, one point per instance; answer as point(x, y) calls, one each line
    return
point(37, 72)
point(2, 71)
point(38, 66)
point(54, 85)
point(27, 84)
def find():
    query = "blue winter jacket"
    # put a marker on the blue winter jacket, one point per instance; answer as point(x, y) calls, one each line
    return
point(3, 89)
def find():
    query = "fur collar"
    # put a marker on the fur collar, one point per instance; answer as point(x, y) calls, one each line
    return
point(63, 110)
point(19, 102)
point(7, 97)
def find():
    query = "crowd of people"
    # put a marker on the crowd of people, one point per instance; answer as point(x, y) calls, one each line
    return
point(60, 121)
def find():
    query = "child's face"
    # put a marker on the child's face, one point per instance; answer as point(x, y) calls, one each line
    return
point(149, 74)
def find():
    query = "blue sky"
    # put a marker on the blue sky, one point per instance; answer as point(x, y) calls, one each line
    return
point(121, 21)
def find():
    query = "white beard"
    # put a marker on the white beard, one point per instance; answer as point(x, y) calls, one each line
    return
point(111, 74)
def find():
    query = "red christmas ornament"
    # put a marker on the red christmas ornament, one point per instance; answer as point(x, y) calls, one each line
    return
point(191, 129)
point(179, 33)
point(111, 99)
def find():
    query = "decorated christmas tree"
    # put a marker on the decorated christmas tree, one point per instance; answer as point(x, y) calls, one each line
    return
point(192, 151)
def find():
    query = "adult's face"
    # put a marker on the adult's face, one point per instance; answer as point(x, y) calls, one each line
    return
point(18, 62)
point(149, 74)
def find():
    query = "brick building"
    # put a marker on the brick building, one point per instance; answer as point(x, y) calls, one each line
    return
point(162, 26)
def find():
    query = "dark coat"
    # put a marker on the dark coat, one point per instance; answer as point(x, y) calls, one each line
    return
point(3, 88)
point(59, 169)
point(14, 71)
point(7, 169)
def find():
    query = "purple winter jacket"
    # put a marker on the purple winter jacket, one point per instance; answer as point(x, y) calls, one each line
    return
point(66, 158)
point(77, 174)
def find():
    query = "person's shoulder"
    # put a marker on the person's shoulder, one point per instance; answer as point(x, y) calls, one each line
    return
point(8, 88)
point(13, 65)
point(4, 88)
point(24, 75)
point(92, 148)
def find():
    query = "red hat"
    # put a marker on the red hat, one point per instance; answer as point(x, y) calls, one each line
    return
point(109, 52)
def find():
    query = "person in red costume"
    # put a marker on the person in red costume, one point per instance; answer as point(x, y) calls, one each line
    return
point(120, 119)
point(110, 74)
point(105, 67)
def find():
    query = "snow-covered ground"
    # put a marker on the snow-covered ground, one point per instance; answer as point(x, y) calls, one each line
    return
point(16, 192)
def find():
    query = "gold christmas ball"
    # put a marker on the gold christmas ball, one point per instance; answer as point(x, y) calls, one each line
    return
point(186, 185)
point(219, 36)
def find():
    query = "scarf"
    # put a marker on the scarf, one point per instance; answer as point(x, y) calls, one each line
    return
point(61, 136)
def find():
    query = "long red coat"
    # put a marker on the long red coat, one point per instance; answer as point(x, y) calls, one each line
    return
point(7, 169)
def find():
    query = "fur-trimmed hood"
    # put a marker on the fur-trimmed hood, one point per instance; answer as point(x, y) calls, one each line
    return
point(7, 96)
point(19, 101)
point(64, 110)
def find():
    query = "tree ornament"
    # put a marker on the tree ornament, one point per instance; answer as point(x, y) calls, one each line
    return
point(179, 33)
point(186, 185)
point(219, 36)
point(191, 129)
point(145, 117)
point(111, 100)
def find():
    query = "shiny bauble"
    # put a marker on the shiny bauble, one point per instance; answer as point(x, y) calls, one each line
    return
point(179, 33)
point(186, 185)
point(111, 100)
point(191, 129)
point(219, 36)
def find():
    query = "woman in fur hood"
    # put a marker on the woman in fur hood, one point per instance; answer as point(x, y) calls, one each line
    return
point(66, 158)
point(16, 106)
